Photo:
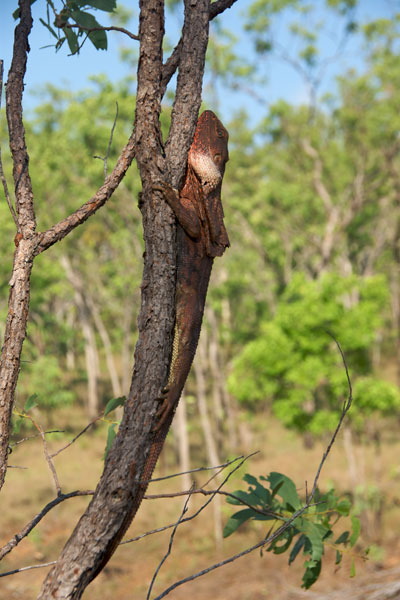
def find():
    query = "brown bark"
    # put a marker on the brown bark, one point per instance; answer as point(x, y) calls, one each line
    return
point(120, 491)
point(18, 302)
point(29, 242)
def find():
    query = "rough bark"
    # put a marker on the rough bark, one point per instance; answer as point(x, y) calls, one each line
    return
point(120, 490)
point(29, 242)
point(18, 302)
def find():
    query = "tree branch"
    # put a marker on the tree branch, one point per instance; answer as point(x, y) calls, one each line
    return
point(64, 227)
point(171, 541)
point(111, 28)
point(3, 179)
point(105, 158)
point(6, 549)
point(345, 408)
point(172, 63)
point(19, 153)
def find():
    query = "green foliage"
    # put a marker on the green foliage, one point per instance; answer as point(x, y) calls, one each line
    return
point(308, 531)
point(113, 404)
point(74, 25)
point(45, 374)
point(293, 364)
point(111, 434)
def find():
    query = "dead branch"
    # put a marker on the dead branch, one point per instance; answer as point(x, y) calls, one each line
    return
point(65, 226)
point(110, 28)
point(198, 469)
point(76, 437)
point(3, 178)
point(171, 65)
point(15, 540)
point(345, 408)
point(105, 158)
point(14, 571)
point(171, 540)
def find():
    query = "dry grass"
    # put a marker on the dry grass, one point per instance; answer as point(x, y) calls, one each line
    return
point(129, 572)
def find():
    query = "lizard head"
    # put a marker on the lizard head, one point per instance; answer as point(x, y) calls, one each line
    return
point(209, 152)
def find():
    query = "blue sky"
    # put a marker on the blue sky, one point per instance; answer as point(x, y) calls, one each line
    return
point(281, 80)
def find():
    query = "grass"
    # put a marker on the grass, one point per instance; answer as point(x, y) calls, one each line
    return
point(130, 570)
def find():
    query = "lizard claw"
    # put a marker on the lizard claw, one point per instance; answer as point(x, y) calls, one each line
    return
point(164, 410)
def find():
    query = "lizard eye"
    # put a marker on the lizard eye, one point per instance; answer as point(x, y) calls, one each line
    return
point(220, 133)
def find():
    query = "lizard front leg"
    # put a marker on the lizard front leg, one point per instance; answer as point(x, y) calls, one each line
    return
point(183, 209)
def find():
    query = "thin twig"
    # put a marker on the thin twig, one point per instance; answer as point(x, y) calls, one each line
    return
point(201, 491)
point(171, 540)
point(159, 529)
point(53, 562)
point(46, 452)
point(36, 519)
point(227, 464)
point(2, 176)
point(31, 437)
point(76, 437)
point(111, 28)
point(345, 408)
point(105, 158)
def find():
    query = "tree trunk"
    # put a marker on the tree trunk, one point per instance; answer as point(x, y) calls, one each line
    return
point(124, 480)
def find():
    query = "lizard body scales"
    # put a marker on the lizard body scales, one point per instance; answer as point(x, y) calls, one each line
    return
point(201, 236)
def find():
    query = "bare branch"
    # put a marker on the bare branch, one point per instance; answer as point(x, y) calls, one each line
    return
point(14, 92)
point(227, 464)
point(346, 407)
point(204, 492)
point(76, 437)
point(242, 461)
point(171, 65)
point(36, 519)
point(111, 28)
point(32, 437)
point(61, 229)
point(171, 540)
point(3, 179)
point(109, 145)
point(46, 453)
point(14, 571)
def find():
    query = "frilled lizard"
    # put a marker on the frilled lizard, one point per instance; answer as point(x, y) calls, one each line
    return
point(201, 236)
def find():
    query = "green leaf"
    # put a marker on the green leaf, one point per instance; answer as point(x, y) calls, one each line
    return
point(72, 40)
point(113, 404)
point(111, 433)
point(85, 19)
point(355, 530)
point(286, 537)
point(343, 538)
point(343, 507)
point(236, 520)
point(285, 488)
point(311, 574)
point(49, 28)
point(106, 5)
point(297, 547)
point(260, 495)
point(315, 535)
point(30, 403)
point(99, 39)
point(16, 424)
point(352, 568)
point(339, 557)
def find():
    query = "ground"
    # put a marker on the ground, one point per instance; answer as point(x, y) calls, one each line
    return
point(253, 577)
